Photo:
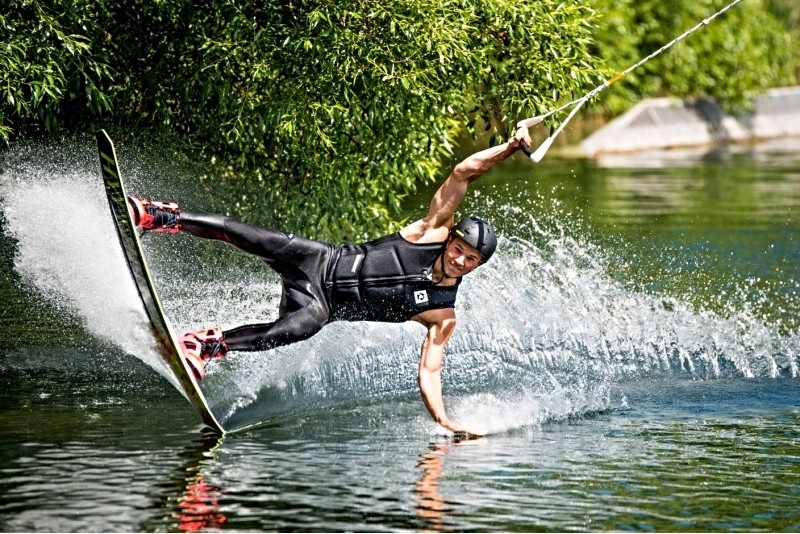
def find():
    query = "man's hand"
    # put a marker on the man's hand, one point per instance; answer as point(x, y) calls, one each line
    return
point(521, 136)
point(460, 432)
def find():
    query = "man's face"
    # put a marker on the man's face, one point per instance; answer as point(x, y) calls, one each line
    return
point(460, 258)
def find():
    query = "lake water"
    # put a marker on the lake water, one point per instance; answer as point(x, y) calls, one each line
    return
point(632, 354)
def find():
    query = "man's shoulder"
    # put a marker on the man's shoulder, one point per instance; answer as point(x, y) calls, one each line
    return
point(439, 316)
point(421, 231)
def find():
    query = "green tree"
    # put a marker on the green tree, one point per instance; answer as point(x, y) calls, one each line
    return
point(47, 65)
point(788, 13)
point(338, 109)
point(733, 59)
point(325, 112)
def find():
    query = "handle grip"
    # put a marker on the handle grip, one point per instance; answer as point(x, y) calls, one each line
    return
point(527, 123)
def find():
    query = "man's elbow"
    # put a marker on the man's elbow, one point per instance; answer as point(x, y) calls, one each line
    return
point(465, 171)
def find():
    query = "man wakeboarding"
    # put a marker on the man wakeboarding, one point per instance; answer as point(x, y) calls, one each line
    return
point(412, 275)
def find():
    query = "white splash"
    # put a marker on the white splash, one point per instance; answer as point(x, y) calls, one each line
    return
point(67, 249)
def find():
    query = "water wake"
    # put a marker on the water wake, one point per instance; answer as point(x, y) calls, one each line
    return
point(544, 331)
point(67, 249)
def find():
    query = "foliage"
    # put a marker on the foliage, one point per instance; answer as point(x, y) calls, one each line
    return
point(47, 63)
point(327, 112)
point(340, 109)
point(733, 59)
point(321, 116)
point(788, 13)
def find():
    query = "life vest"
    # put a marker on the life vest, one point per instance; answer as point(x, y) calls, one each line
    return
point(388, 279)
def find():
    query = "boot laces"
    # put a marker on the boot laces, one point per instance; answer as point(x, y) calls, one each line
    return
point(210, 350)
point(162, 218)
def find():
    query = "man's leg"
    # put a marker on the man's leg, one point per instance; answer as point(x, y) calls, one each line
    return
point(305, 317)
point(289, 328)
point(263, 242)
point(167, 217)
point(301, 263)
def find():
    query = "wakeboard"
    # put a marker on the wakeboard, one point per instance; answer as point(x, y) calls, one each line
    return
point(164, 337)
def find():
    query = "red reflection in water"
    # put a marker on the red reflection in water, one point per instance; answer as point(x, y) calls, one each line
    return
point(199, 507)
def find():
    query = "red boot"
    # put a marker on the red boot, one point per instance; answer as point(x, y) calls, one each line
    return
point(202, 346)
point(155, 216)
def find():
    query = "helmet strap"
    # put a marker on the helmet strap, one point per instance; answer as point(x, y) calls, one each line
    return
point(444, 273)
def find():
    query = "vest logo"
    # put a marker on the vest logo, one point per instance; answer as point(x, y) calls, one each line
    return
point(421, 297)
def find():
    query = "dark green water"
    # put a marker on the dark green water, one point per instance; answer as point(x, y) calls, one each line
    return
point(632, 354)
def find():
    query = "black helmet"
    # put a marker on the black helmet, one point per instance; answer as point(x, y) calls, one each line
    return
point(479, 234)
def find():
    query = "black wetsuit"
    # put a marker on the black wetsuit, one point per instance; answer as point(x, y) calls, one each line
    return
point(388, 279)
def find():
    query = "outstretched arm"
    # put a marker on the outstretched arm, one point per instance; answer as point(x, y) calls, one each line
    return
point(430, 368)
point(435, 225)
